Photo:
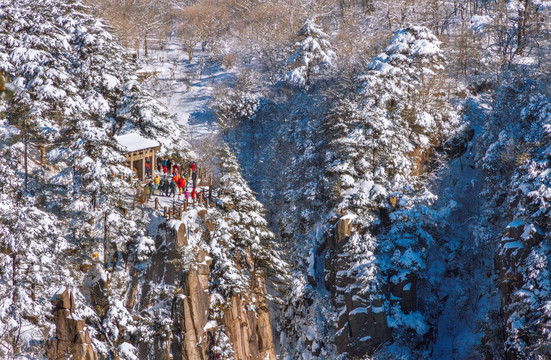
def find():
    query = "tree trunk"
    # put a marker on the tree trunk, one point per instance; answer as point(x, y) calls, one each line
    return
point(137, 48)
point(190, 54)
point(145, 45)
point(105, 242)
point(521, 31)
point(26, 153)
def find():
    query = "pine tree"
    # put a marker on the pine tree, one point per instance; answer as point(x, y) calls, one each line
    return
point(313, 56)
point(75, 91)
point(246, 233)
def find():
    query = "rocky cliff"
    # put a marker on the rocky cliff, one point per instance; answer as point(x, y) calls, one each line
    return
point(71, 339)
point(193, 331)
point(173, 294)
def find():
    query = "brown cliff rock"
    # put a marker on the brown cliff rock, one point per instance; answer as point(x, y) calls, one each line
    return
point(71, 339)
point(250, 332)
point(192, 336)
point(361, 325)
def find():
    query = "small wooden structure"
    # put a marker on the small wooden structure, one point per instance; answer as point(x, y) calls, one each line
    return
point(138, 149)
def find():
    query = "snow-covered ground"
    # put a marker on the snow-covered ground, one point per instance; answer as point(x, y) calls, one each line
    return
point(186, 89)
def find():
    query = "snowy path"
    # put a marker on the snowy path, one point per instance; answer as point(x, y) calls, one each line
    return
point(186, 89)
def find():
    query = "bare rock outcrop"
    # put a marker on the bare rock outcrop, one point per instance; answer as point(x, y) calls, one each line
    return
point(362, 323)
point(246, 322)
point(250, 332)
point(71, 338)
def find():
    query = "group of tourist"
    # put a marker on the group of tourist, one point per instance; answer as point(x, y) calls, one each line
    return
point(173, 181)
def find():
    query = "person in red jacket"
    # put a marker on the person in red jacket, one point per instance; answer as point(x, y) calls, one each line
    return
point(193, 194)
point(147, 169)
point(181, 184)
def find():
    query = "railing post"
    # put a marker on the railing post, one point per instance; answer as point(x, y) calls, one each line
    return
point(156, 203)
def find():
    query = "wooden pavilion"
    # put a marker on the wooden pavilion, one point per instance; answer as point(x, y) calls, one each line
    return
point(138, 151)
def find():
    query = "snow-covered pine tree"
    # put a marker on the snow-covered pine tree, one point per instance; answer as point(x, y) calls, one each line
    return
point(381, 133)
point(233, 105)
point(245, 233)
point(313, 55)
point(244, 254)
point(77, 90)
point(30, 243)
point(524, 257)
point(399, 111)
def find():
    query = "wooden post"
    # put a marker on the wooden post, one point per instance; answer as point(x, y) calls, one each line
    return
point(201, 197)
point(105, 241)
point(181, 213)
point(169, 214)
point(131, 159)
point(210, 180)
point(153, 163)
point(164, 213)
point(185, 205)
point(142, 170)
point(207, 203)
point(156, 203)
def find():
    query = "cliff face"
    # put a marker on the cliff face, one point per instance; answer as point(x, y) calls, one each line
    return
point(356, 332)
point(71, 338)
point(192, 332)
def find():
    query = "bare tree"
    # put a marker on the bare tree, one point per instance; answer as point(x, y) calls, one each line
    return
point(200, 23)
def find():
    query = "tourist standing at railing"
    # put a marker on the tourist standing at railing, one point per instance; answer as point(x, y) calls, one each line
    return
point(173, 187)
point(156, 183)
point(181, 184)
point(194, 178)
point(147, 169)
point(147, 190)
point(166, 185)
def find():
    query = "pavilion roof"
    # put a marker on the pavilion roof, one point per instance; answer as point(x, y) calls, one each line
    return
point(134, 142)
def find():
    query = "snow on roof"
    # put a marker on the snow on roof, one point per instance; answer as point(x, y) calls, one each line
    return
point(135, 142)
